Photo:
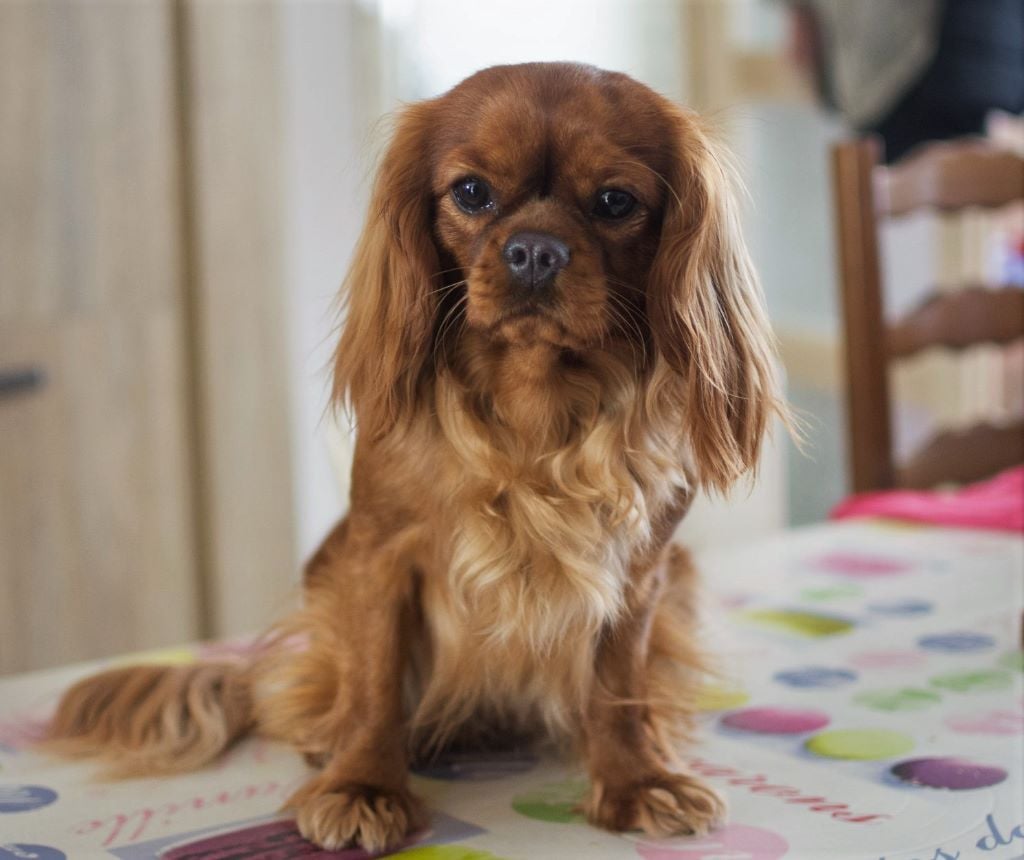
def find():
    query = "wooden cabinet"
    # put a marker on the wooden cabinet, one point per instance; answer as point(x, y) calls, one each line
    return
point(145, 478)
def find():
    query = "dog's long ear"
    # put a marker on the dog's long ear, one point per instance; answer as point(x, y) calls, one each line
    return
point(706, 312)
point(388, 297)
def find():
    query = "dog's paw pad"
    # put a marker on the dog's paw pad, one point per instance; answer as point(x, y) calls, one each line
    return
point(663, 805)
point(371, 818)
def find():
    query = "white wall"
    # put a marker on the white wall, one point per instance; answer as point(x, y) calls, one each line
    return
point(784, 153)
point(325, 172)
point(437, 43)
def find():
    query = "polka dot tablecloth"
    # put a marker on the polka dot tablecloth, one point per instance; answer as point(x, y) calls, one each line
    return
point(871, 706)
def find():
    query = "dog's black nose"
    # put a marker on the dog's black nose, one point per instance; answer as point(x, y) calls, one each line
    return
point(535, 258)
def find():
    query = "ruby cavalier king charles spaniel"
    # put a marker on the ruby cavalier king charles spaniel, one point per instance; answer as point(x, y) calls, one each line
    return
point(554, 337)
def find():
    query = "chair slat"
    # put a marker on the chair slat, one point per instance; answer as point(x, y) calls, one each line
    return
point(959, 319)
point(950, 176)
point(868, 394)
point(964, 456)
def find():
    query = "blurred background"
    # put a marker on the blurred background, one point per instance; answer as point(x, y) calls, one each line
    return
point(182, 183)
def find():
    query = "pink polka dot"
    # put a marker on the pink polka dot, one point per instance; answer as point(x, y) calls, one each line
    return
point(735, 841)
point(997, 722)
point(22, 731)
point(888, 659)
point(860, 566)
point(734, 601)
point(776, 721)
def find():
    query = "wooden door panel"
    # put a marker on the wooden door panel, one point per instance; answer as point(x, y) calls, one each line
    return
point(97, 545)
point(237, 194)
point(145, 493)
point(37, 611)
point(98, 551)
point(26, 221)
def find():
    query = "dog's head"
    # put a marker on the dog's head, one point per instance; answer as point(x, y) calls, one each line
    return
point(561, 206)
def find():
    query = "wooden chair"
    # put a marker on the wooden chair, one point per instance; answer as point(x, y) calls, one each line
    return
point(941, 176)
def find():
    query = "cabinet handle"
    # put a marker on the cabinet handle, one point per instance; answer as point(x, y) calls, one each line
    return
point(20, 380)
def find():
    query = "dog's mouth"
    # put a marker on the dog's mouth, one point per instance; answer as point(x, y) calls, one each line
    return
point(531, 312)
point(520, 317)
point(533, 325)
point(526, 308)
point(490, 311)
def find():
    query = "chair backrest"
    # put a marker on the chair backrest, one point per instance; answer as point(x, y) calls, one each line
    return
point(940, 176)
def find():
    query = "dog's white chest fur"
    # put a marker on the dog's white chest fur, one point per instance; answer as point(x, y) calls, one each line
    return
point(538, 561)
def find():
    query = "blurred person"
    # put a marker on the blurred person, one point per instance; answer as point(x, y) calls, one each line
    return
point(913, 70)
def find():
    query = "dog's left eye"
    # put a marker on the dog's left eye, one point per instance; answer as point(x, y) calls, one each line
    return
point(613, 203)
point(472, 194)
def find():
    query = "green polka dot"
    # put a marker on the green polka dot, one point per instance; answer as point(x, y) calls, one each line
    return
point(860, 744)
point(807, 624)
point(445, 852)
point(831, 592)
point(1013, 660)
point(720, 699)
point(905, 699)
point(980, 681)
point(556, 802)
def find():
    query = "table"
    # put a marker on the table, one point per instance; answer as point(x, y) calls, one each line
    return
point(871, 706)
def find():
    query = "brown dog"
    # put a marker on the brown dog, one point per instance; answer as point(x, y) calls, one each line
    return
point(554, 337)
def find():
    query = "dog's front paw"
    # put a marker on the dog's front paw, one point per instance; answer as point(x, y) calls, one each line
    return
point(667, 804)
point(373, 818)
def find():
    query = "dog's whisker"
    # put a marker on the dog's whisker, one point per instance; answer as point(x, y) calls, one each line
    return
point(668, 185)
point(448, 271)
point(625, 313)
point(440, 340)
point(624, 285)
point(625, 328)
point(445, 288)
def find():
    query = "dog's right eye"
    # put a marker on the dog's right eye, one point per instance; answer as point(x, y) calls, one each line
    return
point(472, 195)
point(613, 204)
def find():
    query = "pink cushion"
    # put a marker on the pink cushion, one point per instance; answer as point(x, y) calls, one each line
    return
point(994, 504)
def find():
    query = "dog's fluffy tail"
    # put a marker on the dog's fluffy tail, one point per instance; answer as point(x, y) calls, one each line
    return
point(151, 720)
